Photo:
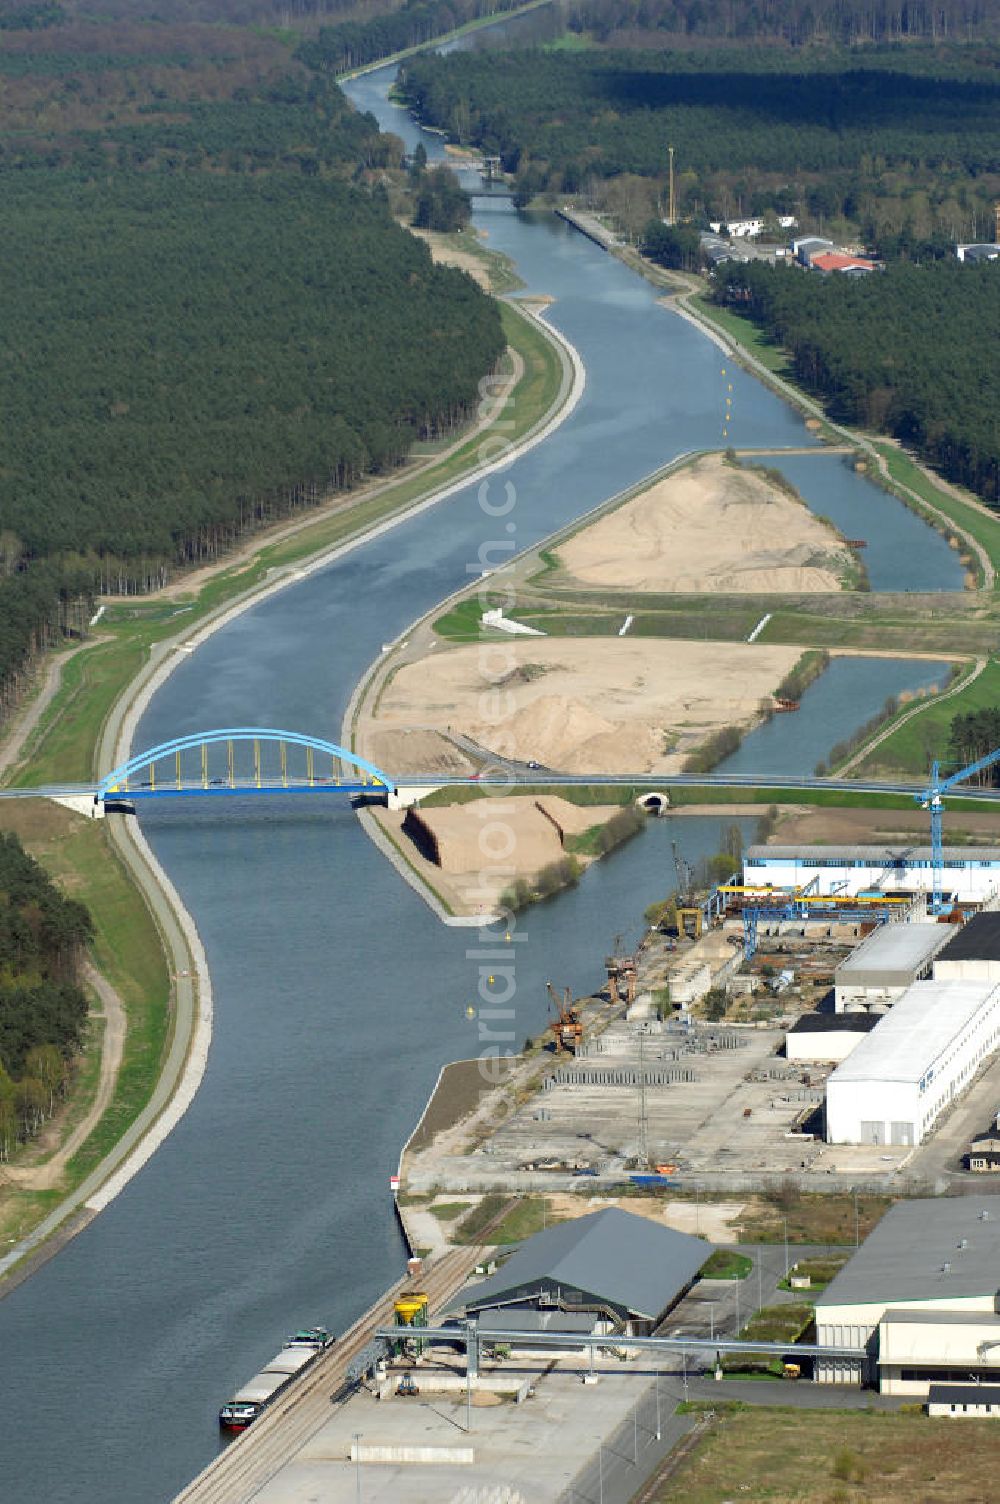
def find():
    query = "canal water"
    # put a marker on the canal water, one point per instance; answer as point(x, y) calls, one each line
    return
point(901, 552)
point(337, 994)
point(847, 694)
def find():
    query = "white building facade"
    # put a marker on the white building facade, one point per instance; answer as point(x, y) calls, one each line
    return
point(971, 873)
point(919, 1299)
point(921, 1056)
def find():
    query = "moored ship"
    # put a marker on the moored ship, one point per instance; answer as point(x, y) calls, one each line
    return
point(298, 1354)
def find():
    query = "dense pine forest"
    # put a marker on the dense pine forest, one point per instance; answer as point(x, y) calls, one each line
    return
point(797, 22)
point(42, 1009)
point(353, 43)
point(881, 137)
point(910, 352)
point(225, 320)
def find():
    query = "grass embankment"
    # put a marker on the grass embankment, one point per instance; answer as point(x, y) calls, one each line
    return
point(524, 1218)
point(746, 333)
point(912, 747)
point(727, 1264)
point(62, 748)
point(598, 840)
point(79, 855)
point(962, 625)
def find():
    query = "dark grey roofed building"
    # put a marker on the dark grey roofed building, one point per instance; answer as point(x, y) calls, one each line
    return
point(829, 1023)
point(944, 1248)
point(612, 1262)
point(979, 940)
point(956, 1399)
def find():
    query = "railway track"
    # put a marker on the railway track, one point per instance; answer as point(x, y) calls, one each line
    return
point(249, 1462)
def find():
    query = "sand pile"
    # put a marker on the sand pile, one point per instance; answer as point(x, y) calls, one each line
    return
point(709, 527)
point(463, 838)
point(587, 705)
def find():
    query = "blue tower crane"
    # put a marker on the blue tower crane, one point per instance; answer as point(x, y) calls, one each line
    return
point(932, 798)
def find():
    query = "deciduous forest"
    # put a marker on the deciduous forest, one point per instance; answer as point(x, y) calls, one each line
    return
point(208, 316)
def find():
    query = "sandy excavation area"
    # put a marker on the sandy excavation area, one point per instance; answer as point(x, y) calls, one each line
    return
point(582, 705)
point(709, 527)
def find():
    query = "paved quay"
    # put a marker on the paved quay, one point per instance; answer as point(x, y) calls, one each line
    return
point(533, 1451)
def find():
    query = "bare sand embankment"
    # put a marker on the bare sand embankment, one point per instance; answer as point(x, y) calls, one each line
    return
point(581, 705)
point(711, 526)
point(444, 252)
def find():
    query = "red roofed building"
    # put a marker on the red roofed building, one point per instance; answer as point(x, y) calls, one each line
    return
point(837, 261)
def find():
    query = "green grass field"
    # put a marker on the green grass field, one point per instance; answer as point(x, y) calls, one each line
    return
point(913, 746)
point(788, 1455)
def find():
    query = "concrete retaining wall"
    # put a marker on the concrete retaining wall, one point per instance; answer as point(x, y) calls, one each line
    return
point(452, 1456)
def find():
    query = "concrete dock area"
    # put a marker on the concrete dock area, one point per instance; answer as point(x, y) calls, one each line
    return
point(528, 1452)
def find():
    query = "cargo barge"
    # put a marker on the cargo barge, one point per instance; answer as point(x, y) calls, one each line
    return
point(298, 1354)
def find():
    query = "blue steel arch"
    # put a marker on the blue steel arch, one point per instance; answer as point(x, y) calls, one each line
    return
point(110, 782)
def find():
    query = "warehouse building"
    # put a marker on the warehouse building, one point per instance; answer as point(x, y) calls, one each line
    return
point(827, 1038)
point(922, 1055)
point(973, 952)
point(891, 959)
point(971, 873)
point(920, 1296)
point(807, 246)
point(621, 1271)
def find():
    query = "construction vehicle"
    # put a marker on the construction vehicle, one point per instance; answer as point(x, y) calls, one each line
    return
point(406, 1386)
point(567, 1030)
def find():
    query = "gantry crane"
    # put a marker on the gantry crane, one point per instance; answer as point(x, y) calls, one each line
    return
point(567, 1029)
point(621, 969)
point(932, 799)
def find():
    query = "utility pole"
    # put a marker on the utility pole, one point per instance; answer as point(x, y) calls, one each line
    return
point(643, 1155)
point(670, 209)
point(357, 1465)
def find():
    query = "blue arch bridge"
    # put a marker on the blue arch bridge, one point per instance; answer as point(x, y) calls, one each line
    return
point(241, 760)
